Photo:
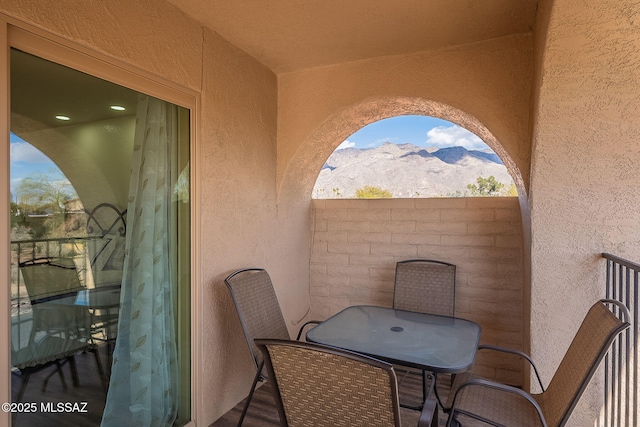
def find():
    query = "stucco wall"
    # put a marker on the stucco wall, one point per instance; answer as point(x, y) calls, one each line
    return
point(585, 169)
point(356, 244)
point(152, 35)
point(240, 226)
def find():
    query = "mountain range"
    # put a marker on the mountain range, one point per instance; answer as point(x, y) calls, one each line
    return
point(407, 171)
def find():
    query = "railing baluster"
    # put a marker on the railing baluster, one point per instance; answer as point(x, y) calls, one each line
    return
point(622, 364)
point(627, 338)
point(607, 368)
point(619, 374)
point(636, 358)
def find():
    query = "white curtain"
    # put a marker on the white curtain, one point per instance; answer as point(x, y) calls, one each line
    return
point(144, 387)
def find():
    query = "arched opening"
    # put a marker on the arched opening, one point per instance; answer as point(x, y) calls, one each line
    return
point(44, 203)
point(355, 244)
point(297, 181)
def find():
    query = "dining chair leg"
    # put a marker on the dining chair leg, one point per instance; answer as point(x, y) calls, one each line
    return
point(250, 396)
point(59, 372)
point(103, 378)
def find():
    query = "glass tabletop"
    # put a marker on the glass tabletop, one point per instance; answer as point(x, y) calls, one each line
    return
point(425, 341)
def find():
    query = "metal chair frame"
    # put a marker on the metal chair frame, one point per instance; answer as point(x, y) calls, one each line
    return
point(623, 323)
point(279, 330)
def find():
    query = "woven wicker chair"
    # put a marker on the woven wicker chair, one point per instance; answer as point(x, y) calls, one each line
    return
point(501, 405)
point(425, 286)
point(260, 315)
point(320, 386)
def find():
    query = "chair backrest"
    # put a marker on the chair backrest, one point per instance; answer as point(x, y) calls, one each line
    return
point(321, 386)
point(50, 278)
point(589, 346)
point(257, 306)
point(59, 327)
point(425, 286)
point(52, 285)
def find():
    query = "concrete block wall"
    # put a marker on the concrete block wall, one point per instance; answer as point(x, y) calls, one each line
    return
point(356, 244)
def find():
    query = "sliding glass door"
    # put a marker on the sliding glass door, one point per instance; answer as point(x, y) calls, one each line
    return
point(100, 251)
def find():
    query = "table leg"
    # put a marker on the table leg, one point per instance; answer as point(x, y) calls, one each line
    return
point(427, 391)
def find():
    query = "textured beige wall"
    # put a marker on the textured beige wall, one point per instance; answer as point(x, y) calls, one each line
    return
point(152, 35)
point(585, 169)
point(356, 244)
point(241, 226)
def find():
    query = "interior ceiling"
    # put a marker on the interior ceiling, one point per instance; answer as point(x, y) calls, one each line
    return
point(290, 35)
point(40, 90)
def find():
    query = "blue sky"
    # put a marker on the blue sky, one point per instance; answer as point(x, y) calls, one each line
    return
point(422, 131)
point(27, 160)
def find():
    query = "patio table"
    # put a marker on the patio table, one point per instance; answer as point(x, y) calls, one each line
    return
point(438, 344)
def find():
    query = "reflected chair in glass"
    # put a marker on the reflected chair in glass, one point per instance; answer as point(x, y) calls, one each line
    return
point(260, 316)
point(425, 286)
point(322, 386)
point(58, 329)
point(497, 404)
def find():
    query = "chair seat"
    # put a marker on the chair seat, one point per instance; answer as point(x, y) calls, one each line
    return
point(47, 350)
point(493, 403)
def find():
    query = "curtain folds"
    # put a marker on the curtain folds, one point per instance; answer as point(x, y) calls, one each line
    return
point(144, 389)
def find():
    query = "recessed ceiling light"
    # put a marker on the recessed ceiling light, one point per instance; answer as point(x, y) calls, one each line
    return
point(118, 107)
point(64, 118)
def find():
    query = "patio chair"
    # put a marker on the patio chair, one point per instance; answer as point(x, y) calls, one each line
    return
point(58, 328)
point(260, 315)
point(502, 405)
point(425, 286)
point(321, 386)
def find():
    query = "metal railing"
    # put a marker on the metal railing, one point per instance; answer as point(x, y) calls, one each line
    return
point(622, 364)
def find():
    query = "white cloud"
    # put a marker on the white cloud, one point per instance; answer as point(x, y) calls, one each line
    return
point(443, 136)
point(346, 144)
point(25, 152)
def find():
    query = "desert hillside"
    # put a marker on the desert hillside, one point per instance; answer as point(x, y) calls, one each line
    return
point(406, 170)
